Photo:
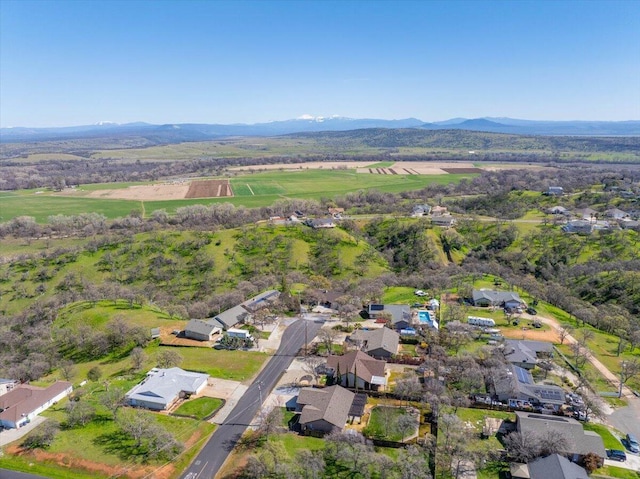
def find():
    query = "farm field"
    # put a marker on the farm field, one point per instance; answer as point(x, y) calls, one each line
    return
point(253, 190)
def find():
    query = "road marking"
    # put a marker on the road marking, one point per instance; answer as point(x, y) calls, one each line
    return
point(250, 189)
point(205, 465)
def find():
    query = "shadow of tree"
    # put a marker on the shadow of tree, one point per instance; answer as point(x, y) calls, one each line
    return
point(122, 445)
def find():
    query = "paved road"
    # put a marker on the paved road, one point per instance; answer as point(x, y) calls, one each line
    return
point(6, 474)
point(207, 464)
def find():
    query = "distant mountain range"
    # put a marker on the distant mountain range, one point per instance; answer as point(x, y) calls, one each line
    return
point(172, 133)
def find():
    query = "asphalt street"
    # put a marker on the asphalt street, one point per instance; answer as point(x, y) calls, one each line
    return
point(207, 464)
point(5, 474)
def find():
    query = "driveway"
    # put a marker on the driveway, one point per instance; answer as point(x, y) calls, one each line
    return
point(632, 463)
point(10, 435)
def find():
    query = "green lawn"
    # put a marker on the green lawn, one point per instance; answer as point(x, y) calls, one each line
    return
point(234, 365)
point(382, 427)
point(617, 472)
point(400, 295)
point(610, 441)
point(199, 408)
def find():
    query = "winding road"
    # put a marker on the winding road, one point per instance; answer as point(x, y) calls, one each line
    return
point(213, 455)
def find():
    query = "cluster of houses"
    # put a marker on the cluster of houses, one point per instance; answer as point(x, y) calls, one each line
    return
point(207, 329)
point(587, 220)
point(21, 403)
point(440, 216)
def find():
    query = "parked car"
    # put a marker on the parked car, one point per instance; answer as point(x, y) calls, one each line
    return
point(531, 311)
point(616, 455)
point(419, 292)
point(632, 443)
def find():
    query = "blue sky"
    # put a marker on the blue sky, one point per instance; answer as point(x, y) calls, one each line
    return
point(80, 62)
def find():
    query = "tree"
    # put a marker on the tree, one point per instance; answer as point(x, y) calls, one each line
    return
point(138, 357)
point(80, 413)
point(628, 370)
point(269, 422)
point(311, 464)
point(413, 463)
point(94, 374)
point(351, 451)
point(311, 365)
point(168, 358)
point(328, 337)
point(408, 388)
point(43, 436)
point(564, 333)
point(406, 424)
point(526, 446)
point(67, 369)
point(112, 400)
point(591, 461)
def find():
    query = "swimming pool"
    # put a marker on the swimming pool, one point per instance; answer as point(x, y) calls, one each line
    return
point(427, 318)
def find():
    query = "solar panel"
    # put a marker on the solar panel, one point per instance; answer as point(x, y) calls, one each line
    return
point(523, 376)
point(377, 307)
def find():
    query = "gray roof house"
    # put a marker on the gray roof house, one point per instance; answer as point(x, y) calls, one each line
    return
point(558, 210)
point(400, 314)
point(518, 388)
point(318, 223)
point(446, 221)
point(554, 191)
point(237, 314)
point(358, 370)
point(554, 466)
point(487, 297)
point(525, 353)
point(380, 343)
point(421, 210)
point(579, 442)
point(163, 387)
point(578, 226)
point(324, 410)
point(201, 330)
point(586, 214)
point(616, 214)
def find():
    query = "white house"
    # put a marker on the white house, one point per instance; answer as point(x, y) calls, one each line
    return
point(239, 333)
point(163, 387)
point(23, 403)
point(7, 385)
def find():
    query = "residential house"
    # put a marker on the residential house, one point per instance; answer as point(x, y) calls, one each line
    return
point(630, 225)
point(358, 370)
point(579, 442)
point(439, 210)
point(24, 402)
point(554, 466)
point(380, 343)
point(582, 227)
point(503, 299)
point(324, 410)
point(7, 385)
point(616, 214)
point(446, 221)
point(336, 212)
point(554, 191)
point(558, 210)
point(237, 314)
point(202, 330)
point(400, 314)
point(525, 353)
point(319, 223)
point(587, 214)
point(421, 210)
point(517, 387)
point(161, 388)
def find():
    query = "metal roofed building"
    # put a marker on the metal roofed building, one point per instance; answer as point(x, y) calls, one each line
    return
point(525, 353)
point(163, 387)
point(400, 314)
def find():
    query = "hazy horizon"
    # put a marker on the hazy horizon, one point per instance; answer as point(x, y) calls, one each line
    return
point(67, 63)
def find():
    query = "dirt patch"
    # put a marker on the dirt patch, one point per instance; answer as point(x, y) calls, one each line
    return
point(209, 189)
point(549, 335)
point(462, 171)
point(62, 460)
point(162, 191)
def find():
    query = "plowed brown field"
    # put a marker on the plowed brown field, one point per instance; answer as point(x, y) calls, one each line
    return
point(209, 189)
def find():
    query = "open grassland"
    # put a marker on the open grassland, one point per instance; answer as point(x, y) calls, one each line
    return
point(251, 190)
point(199, 408)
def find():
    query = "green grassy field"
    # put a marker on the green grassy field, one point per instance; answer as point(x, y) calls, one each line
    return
point(250, 190)
point(199, 408)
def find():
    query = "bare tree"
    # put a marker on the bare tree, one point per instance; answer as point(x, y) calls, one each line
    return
point(406, 424)
point(628, 370)
point(413, 463)
point(138, 357)
point(80, 413)
point(564, 333)
point(311, 365)
point(67, 369)
point(269, 422)
point(112, 399)
point(311, 464)
point(168, 358)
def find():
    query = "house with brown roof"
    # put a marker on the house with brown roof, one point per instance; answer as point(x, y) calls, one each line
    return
point(23, 403)
point(358, 370)
point(324, 410)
